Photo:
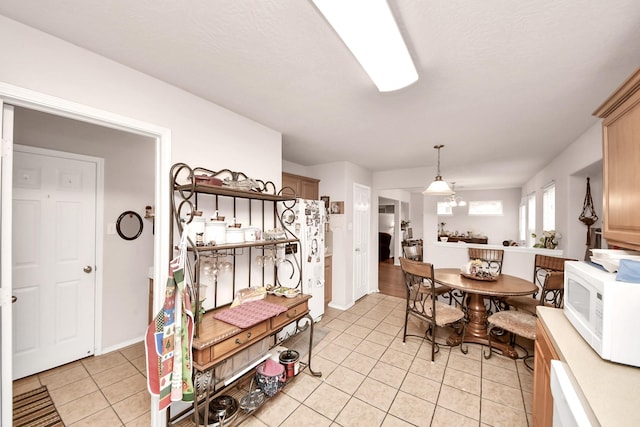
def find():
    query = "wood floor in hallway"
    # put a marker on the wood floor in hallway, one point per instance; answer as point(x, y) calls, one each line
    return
point(390, 280)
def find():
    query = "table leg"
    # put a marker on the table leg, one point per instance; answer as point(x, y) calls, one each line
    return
point(477, 328)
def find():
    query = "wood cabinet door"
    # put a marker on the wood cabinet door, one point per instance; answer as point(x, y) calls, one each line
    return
point(328, 280)
point(621, 157)
point(303, 186)
point(310, 189)
point(542, 398)
point(290, 184)
point(621, 175)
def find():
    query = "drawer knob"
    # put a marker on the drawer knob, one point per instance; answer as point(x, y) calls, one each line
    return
point(241, 342)
point(292, 315)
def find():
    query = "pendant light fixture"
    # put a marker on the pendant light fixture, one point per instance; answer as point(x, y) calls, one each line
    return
point(438, 187)
point(452, 200)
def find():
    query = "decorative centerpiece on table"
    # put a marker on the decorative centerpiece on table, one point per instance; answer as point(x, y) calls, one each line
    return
point(549, 239)
point(476, 270)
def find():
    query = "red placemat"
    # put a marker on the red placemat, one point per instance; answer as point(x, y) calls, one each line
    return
point(250, 313)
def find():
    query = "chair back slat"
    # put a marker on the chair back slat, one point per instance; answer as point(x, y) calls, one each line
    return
point(420, 286)
point(554, 281)
point(491, 258)
point(417, 268)
point(553, 289)
point(544, 264)
point(412, 252)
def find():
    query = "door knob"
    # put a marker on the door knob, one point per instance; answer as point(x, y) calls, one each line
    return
point(13, 299)
point(87, 269)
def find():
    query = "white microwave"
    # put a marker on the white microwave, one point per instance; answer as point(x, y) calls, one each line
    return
point(603, 311)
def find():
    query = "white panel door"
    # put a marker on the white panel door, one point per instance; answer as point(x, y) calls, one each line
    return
point(54, 211)
point(361, 232)
point(6, 162)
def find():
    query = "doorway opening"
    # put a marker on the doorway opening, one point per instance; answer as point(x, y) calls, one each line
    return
point(161, 137)
point(127, 184)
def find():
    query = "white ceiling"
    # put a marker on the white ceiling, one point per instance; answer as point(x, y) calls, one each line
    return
point(503, 84)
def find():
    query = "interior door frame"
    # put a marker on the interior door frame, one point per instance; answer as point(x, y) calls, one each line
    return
point(21, 97)
point(6, 211)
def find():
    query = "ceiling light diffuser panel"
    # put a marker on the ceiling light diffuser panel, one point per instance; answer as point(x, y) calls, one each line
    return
point(369, 30)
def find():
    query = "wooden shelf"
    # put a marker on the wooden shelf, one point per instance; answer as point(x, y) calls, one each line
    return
point(229, 192)
point(257, 243)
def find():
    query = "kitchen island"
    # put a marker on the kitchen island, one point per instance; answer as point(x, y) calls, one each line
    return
point(610, 389)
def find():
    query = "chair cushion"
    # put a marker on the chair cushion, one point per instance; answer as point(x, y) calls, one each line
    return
point(517, 322)
point(446, 314)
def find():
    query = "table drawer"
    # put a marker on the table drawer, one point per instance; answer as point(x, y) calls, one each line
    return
point(293, 313)
point(239, 341)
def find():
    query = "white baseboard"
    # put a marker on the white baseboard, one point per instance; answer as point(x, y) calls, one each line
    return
point(119, 346)
point(340, 307)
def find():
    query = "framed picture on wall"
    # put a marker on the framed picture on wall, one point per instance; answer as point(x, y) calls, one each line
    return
point(337, 207)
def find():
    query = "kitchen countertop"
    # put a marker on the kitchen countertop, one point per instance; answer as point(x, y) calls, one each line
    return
point(611, 389)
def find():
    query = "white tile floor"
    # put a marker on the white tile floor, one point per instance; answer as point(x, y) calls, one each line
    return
point(370, 378)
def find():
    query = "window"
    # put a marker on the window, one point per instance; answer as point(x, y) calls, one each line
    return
point(486, 207)
point(444, 208)
point(531, 218)
point(549, 207)
point(522, 221)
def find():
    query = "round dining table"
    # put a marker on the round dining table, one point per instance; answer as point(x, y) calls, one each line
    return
point(504, 285)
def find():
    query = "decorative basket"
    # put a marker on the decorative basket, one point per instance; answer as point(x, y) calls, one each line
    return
point(270, 377)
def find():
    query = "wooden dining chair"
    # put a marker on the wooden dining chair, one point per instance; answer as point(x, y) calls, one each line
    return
point(412, 252)
point(422, 304)
point(552, 291)
point(517, 323)
point(491, 258)
point(552, 295)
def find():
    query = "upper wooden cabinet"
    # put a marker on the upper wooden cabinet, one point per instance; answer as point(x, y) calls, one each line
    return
point(621, 164)
point(304, 187)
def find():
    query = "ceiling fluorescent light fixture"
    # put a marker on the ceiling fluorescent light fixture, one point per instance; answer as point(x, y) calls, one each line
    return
point(438, 187)
point(368, 29)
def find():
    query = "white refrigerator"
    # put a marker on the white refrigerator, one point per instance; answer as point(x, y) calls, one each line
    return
point(307, 220)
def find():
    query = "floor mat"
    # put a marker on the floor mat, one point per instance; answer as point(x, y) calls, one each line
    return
point(35, 409)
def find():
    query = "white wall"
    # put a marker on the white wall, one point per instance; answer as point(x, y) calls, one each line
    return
point(128, 185)
point(415, 215)
point(297, 169)
point(496, 228)
point(202, 133)
point(569, 170)
point(336, 181)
